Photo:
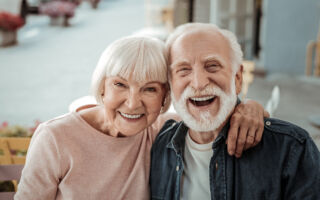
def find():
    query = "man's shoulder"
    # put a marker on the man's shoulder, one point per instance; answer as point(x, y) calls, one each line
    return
point(167, 131)
point(284, 129)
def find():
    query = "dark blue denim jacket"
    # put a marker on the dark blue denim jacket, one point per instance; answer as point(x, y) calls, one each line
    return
point(284, 165)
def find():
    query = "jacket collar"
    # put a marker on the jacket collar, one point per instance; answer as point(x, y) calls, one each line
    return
point(178, 140)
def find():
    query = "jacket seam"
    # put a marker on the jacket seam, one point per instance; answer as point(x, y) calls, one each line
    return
point(171, 124)
point(300, 139)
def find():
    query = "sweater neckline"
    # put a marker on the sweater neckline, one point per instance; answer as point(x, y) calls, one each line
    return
point(87, 126)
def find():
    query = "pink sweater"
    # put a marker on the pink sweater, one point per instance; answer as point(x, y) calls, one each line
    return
point(69, 159)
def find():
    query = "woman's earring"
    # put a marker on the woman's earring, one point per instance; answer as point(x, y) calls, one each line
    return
point(163, 105)
point(164, 102)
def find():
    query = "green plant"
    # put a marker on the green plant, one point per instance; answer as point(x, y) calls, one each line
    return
point(16, 130)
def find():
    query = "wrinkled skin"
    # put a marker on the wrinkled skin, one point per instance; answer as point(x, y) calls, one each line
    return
point(246, 127)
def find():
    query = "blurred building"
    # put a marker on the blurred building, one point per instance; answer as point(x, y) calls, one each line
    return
point(273, 33)
point(12, 6)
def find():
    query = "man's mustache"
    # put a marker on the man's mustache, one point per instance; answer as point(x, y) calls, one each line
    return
point(209, 90)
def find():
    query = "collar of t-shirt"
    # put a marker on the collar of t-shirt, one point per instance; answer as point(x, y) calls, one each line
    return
point(197, 157)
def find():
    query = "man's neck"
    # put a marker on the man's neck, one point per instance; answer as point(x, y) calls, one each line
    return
point(205, 137)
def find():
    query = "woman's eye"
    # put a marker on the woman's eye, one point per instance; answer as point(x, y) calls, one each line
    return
point(118, 84)
point(150, 89)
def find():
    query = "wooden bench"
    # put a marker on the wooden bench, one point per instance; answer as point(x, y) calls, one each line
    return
point(11, 148)
point(313, 46)
point(248, 68)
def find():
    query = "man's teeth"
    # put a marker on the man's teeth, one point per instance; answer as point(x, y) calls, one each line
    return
point(201, 98)
point(131, 116)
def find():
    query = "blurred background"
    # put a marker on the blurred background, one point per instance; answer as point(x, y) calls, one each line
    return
point(49, 49)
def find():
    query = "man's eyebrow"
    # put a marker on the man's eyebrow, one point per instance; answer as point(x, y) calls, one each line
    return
point(216, 58)
point(179, 63)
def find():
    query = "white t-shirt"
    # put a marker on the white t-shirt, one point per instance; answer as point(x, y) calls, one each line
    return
point(196, 184)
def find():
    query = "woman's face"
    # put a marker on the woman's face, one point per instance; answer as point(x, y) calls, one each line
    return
point(131, 106)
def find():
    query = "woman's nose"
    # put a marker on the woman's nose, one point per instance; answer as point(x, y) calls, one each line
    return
point(134, 100)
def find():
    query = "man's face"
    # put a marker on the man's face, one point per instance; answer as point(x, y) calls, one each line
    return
point(204, 86)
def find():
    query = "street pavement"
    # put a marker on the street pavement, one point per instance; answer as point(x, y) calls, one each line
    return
point(52, 66)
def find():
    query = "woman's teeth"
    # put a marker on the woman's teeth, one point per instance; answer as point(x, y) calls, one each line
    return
point(131, 116)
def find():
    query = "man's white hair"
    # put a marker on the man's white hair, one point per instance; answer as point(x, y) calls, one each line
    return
point(236, 52)
point(138, 57)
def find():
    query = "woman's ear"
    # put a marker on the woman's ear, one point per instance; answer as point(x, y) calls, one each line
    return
point(103, 86)
point(166, 102)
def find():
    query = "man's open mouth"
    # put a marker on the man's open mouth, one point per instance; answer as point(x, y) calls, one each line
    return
point(202, 101)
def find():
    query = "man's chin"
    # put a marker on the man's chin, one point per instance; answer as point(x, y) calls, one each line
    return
point(204, 123)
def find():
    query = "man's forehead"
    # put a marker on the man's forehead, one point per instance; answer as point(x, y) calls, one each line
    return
point(201, 47)
point(178, 61)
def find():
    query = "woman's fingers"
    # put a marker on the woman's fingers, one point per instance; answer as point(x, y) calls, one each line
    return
point(241, 140)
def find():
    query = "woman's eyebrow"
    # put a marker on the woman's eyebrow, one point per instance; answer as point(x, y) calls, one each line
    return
point(153, 82)
point(120, 77)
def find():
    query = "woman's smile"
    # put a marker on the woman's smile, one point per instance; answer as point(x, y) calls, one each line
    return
point(131, 117)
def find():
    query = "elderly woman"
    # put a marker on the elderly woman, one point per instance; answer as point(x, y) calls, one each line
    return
point(104, 152)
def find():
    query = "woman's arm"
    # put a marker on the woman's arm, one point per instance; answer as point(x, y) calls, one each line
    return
point(40, 175)
point(246, 127)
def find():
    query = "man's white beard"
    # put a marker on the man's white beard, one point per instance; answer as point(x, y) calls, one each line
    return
point(207, 121)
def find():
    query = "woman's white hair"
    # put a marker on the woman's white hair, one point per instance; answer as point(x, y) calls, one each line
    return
point(236, 52)
point(139, 57)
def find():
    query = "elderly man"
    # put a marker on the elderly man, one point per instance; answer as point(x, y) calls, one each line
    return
point(190, 159)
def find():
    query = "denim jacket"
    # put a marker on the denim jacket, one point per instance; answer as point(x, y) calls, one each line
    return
point(284, 165)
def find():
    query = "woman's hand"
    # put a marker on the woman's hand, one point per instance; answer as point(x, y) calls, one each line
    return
point(246, 127)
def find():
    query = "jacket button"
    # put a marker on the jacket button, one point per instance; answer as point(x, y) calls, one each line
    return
point(177, 168)
point(268, 123)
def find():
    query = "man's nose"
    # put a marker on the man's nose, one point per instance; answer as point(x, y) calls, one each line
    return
point(199, 79)
point(134, 100)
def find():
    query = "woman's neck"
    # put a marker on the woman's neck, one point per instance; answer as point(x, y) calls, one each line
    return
point(96, 118)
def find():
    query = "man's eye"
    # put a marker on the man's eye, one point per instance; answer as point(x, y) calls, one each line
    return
point(212, 67)
point(150, 89)
point(183, 71)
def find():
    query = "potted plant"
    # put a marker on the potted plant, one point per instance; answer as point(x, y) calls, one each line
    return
point(9, 24)
point(16, 130)
point(59, 12)
point(94, 3)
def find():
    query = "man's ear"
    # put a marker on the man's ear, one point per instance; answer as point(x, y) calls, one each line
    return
point(238, 79)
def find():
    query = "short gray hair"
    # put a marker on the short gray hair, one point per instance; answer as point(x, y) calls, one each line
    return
point(139, 57)
point(236, 52)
